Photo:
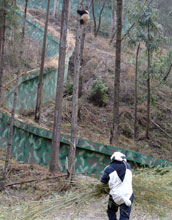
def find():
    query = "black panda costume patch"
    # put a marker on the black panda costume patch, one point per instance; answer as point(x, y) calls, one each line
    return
point(84, 16)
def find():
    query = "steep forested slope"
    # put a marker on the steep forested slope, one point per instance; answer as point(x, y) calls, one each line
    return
point(95, 121)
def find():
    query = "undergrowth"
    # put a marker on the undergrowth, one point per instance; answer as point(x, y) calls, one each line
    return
point(152, 192)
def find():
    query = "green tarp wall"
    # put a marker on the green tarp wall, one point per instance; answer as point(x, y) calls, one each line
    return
point(33, 145)
point(28, 84)
point(106, 15)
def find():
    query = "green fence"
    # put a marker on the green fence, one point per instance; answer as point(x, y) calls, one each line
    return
point(32, 144)
point(36, 32)
point(106, 15)
point(28, 84)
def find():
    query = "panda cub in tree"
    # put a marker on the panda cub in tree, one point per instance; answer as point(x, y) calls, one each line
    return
point(84, 16)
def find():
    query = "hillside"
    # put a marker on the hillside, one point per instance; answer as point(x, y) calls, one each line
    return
point(32, 192)
point(94, 122)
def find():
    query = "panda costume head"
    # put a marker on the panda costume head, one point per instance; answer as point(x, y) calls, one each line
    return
point(84, 16)
point(118, 156)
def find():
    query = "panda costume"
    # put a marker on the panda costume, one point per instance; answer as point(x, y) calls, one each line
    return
point(118, 176)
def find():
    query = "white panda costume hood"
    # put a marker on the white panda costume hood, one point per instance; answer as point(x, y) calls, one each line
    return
point(119, 177)
point(118, 156)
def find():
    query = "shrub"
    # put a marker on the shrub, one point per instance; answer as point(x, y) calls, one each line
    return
point(98, 94)
point(69, 88)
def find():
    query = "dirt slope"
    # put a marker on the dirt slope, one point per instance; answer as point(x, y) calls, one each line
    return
point(94, 122)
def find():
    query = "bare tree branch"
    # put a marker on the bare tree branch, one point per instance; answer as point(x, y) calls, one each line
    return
point(36, 180)
point(168, 72)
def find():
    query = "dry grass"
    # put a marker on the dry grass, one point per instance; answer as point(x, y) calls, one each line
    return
point(153, 189)
point(31, 57)
point(43, 200)
point(54, 28)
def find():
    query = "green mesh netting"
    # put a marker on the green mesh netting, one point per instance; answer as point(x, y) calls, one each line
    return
point(28, 84)
point(106, 15)
point(36, 32)
point(33, 145)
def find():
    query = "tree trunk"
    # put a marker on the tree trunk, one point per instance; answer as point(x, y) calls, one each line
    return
point(136, 96)
point(100, 18)
point(59, 90)
point(115, 129)
point(24, 22)
point(40, 84)
point(14, 2)
point(148, 87)
point(94, 17)
point(82, 49)
point(77, 61)
point(9, 148)
point(55, 9)
point(1, 25)
point(97, 28)
point(2, 46)
point(112, 28)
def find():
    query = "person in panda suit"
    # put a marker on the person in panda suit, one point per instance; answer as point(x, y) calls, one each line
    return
point(118, 176)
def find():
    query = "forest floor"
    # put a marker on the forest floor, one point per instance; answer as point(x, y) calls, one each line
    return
point(33, 193)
